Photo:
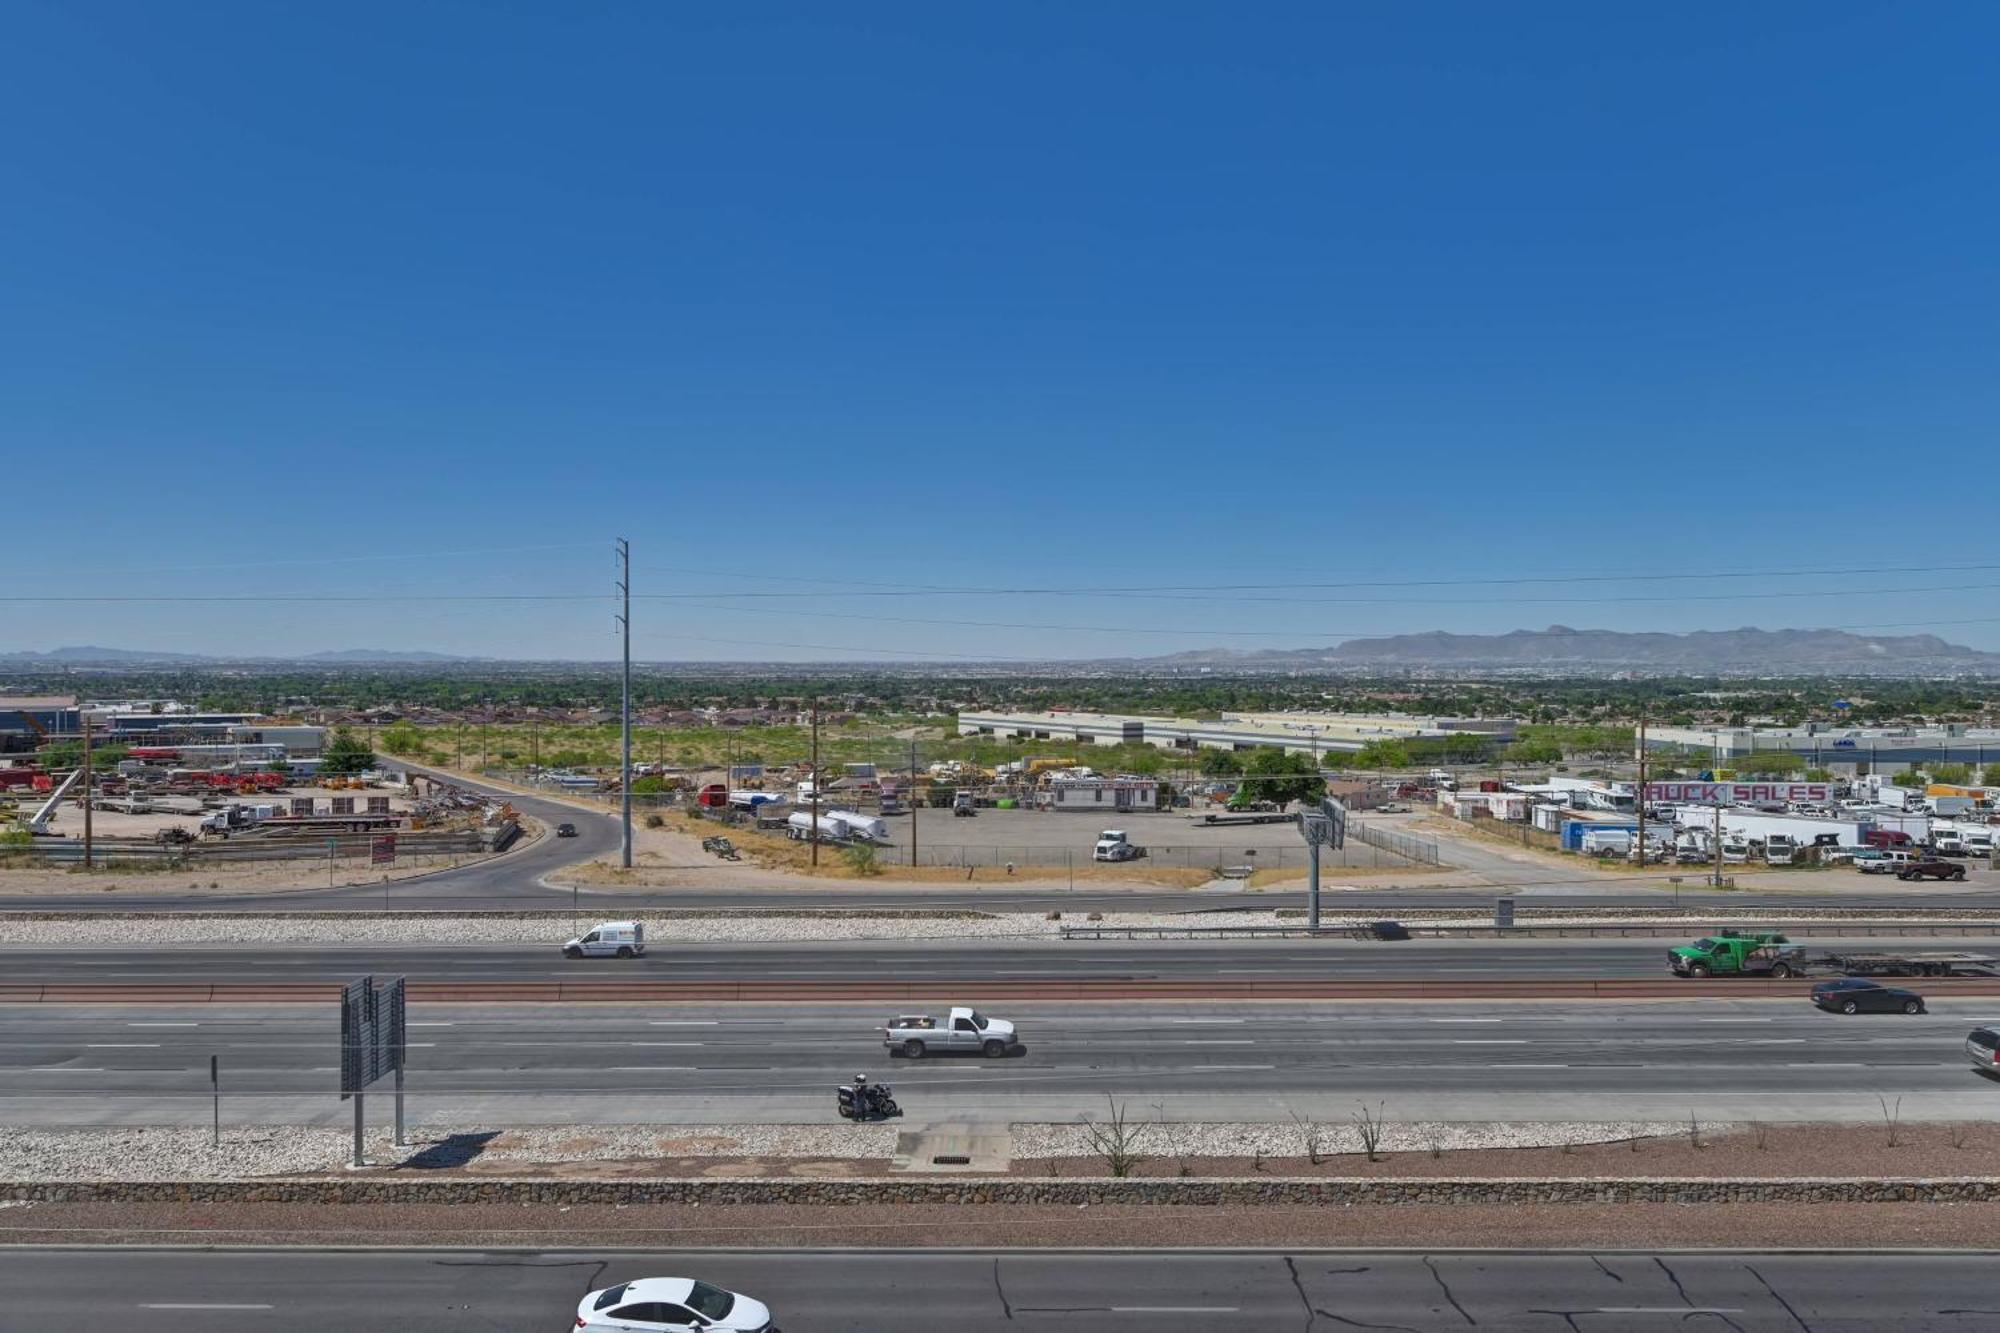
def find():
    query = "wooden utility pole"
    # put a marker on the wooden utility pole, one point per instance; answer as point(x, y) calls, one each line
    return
point(913, 796)
point(815, 779)
point(87, 841)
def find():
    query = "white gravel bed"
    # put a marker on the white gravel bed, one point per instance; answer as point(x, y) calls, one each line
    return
point(1196, 1139)
point(183, 1153)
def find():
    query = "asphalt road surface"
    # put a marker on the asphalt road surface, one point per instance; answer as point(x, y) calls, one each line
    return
point(899, 960)
point(475, 1066)
point(1166, 1292)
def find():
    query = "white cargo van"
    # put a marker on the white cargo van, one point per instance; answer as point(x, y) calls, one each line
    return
point(612, 939)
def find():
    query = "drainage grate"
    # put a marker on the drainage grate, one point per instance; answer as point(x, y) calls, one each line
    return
point(951, 1160)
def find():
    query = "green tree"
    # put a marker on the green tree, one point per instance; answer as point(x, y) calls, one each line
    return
point(346, 754)
point(1383, 754)
point(69, 754)
point(1958, 775)
point(1540, 751)
point(1817, 775)
point(1220, 764)
point(1914, 780)
point(1281, 776)
point(1992, 775)
point(648, 786)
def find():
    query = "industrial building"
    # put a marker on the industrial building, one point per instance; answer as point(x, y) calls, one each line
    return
point(1846, 751)
point(1302, 733)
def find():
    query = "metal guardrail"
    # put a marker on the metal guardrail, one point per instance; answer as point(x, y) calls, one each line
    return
point(1639, 930)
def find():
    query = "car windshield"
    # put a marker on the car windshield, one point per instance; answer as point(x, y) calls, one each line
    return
point(1705, 945)
point(979, 1020)
point(710, 1302)
point(610, 1296)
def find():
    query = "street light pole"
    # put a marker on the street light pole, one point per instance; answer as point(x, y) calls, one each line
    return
point(625, 706)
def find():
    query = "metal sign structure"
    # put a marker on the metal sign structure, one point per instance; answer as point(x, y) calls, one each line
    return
point(382, 851)
point(1324, 827)
point(374, 1041)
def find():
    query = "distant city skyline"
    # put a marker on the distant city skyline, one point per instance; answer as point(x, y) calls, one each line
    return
point(1029, 333)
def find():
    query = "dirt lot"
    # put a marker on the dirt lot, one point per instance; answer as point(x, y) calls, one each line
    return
point(1552, 1226)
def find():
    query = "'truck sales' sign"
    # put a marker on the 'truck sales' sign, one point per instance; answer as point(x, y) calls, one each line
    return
point(1739, 793)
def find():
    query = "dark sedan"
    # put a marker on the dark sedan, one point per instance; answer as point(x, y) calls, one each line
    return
point(1858, 995)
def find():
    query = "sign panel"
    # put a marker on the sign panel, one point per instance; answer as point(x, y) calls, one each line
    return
point(1739, 793)
point(373, 1032)
point(382, 851)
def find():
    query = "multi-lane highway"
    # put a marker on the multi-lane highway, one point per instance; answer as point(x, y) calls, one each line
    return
point(958, 962)
point(524, 1064)
point(167, 1291)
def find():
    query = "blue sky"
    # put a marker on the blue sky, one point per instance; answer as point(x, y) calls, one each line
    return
point(437, 300)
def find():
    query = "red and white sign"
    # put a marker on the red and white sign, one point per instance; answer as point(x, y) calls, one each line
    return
point(1739, 793)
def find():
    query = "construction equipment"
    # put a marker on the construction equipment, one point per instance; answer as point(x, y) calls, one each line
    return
point(38, 824)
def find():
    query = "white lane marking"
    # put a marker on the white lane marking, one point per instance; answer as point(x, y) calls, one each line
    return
point(652, 1069)
point(1215, 1041)
point(1489, 1041)
point(1736, 1020)
point(1465, 1020)
point(62, 1069)
point(163, 1025)
point(428, 1025)
point(663, 1043)
point(121, 1046)
point(1665, 1309)
point(1209, 1068)
point(687, 1022)
point(1505, 1066)
point(1828, 1064)
point(205, 1305)
point(1207, 1022)
point(1173, 1309)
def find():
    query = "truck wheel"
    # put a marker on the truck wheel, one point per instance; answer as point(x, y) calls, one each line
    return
point(994, 1049)
point(624, 951)
point(914, 1049)
point(572, 952)
point(1782, 971)
point(1698, 970)
point(1849, 1007)
point(1913, 1006)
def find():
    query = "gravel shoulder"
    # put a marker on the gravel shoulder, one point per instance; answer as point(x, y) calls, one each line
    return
point(1487, 1151)
point(1595, 1227)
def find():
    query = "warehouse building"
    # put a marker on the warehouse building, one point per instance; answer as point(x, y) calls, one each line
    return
point(1303, 733)
point(1843, 750)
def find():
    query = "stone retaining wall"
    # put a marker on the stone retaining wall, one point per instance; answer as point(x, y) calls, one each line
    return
point(1230, 1192)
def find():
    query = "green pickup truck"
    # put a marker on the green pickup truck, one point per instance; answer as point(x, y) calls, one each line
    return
point(1736, 954)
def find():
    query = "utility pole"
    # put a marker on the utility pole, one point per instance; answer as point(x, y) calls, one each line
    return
point(87, 840)
point(625, 706)
point(461, 744)
point(815, 779)
point(1642, 787)
point(913, 796)
point(1718, 835)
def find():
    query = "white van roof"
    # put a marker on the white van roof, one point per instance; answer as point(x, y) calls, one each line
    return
point(618, 925)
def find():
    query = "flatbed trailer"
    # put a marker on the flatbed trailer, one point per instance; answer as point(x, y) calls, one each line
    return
point(1910, 964)
point(1247, 819)
point(1770, 954)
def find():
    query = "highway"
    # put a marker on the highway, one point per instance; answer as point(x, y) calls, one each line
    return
point(492, 1065)
point(169, 1291)
point(960, 962)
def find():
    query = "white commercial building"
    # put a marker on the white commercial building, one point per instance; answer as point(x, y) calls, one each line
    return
point(1301, 733)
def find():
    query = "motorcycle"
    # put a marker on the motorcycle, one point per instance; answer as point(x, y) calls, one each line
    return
point(869, 1103)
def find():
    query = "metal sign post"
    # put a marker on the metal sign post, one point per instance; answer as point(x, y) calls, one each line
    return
point(373, 1042)
point(215, 1090)
point(1324, 827)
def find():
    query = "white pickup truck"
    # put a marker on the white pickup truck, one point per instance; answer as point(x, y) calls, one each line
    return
point(963, 1029)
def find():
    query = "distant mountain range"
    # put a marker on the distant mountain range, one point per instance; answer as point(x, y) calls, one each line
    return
point(1560, 648)
point(93, 656)
point(1557, 649)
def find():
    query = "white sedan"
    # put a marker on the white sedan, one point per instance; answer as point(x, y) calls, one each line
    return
point(673, 1305)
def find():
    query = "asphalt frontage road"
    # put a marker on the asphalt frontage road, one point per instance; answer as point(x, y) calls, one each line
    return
point(492, 1065)
point(168, 1291)
point(943, 960)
